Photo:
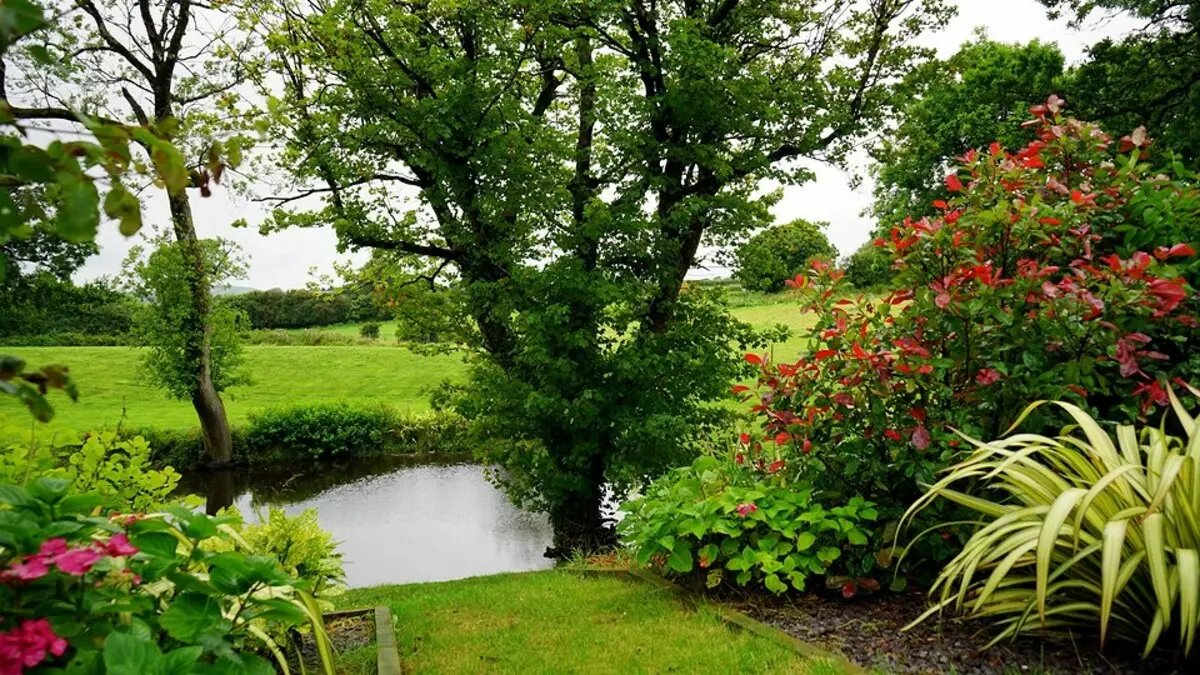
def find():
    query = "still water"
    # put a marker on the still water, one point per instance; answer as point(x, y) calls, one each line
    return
point(399, 519)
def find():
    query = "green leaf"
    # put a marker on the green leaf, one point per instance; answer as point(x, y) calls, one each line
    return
point(14, 495)
point(805, 540)
point(680, 560)
point(126, 654)
point(49, 490)
point(79, 208)
point(774, 584)
point(180, 661)
point(156, 544)
point(120, 204)
point(191, 614)
point(32, 164)
point(250, 664)
point(857, 537)
point(79, 503)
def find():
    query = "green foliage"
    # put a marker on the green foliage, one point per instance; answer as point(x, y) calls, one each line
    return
point(303, 308)
point(119, 470)
point(305, 551)
point(31, 386)
point(41, 309)
point(781, 252)
point(181, 606)
point(871, 407)
point(308, 337)
point(330, 430)
point(160, 278)
point(369, 331)
point(573, 161)
point(720, 520)
point(869, 267)
point(976, 96)
point(38, 248)
point(321, 431)
point(1091, 534)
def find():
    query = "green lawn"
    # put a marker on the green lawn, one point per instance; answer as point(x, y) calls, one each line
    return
point(110, 385)
point(111, 389)
point(558, 622)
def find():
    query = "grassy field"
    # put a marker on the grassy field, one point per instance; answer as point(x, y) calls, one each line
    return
point(112, 391)
point(110, 387)
point(557, 622)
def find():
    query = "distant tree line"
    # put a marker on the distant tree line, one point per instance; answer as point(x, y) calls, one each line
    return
point(303, 308)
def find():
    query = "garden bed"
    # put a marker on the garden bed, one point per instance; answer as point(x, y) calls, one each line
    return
point(869, 630)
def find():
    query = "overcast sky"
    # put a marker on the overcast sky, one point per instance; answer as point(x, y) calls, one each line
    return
point(287, 259)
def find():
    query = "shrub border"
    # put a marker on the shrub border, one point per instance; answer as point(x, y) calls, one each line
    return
point(731, 617)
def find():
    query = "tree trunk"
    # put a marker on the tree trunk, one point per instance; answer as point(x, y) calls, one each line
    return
point(214, 425)
point(578, 519)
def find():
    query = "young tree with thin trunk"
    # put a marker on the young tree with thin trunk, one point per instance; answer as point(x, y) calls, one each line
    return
point(170, 68)
point(569, 160)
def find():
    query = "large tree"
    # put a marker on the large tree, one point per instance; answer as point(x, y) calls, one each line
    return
point(169, 69)
point(980, 94)
point(569, 159)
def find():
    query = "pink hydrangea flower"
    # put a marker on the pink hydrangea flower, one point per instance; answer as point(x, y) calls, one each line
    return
point(118, 545)
point(746, 509)
point(53, 547)
point(78, 561)
point(27, 645)
point(34, 567)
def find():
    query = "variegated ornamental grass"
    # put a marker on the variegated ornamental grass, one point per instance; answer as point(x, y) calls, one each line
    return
point(1081, 532)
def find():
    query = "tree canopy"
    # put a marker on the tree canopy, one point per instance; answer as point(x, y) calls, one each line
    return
point(569, 159)
point(779, 253)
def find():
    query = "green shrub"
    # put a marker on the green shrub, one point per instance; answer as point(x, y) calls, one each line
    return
point(321, 432)
point(301, 338)
point(729, 519)
point(305, 551)
point(1088, 533)
point(869, 267)
point(69, 339)
point(369, 331)
point(119, 470)
point(129, 593)
point(779, 253)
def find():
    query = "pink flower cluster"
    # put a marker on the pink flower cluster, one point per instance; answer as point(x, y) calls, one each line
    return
point(73, 560)
point(27, 645)
point(746, 509)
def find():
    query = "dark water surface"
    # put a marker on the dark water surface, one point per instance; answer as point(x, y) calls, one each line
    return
point(399, 519)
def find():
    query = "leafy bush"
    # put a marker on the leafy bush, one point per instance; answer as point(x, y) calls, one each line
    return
point(779, 253)
point(369, 331)
point(118, 470)
point(1091, 534)
point(869, 408)
point(304, 550)
point(321, 432)
point(144, 594)
point(40, 304)
point(304, 308)
point(869, 267)
point(301, 338)
point(730, 519)
point(70, 339)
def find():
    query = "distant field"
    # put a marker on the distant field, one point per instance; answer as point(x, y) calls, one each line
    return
point(109, 385)
point(111, 390)
point(387, 330)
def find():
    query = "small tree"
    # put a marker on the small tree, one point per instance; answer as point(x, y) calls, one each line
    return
point(370, 331)
point(869, 267)
point(777, 254)
point(158, 277)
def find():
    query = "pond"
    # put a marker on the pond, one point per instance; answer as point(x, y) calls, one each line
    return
point(398, 519)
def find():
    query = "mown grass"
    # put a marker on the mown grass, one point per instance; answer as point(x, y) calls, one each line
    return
point(112, 390)
point(558, 622)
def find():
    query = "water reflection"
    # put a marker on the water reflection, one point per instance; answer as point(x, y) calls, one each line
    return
point(399, 520)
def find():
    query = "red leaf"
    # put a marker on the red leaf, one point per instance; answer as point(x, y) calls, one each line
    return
point(940, 204)
point(953, 184)
point(942, 300)
point(849, 589)
point(925, 369)
point(859, 352)
point(745, 439)
point(995, 148)
point(782, 438)
point(892, 434)
point(754, 358)
point(824, 354)
point(775, 466)
point(920, 438)
point(807, 446)
point(739, 388)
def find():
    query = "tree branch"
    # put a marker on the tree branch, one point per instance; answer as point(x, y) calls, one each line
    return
point(115, 45)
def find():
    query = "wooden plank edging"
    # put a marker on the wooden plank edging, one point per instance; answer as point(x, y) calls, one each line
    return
point(731, 617)
point(387, 655)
